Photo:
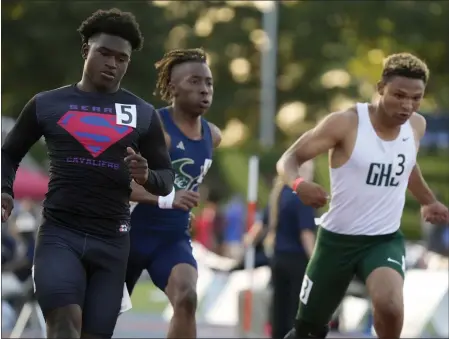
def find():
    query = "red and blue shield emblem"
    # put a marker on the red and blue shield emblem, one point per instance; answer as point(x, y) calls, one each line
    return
point(95, 131)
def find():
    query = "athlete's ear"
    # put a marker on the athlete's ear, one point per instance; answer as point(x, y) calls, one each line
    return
point(380, 87)
point(84, 51)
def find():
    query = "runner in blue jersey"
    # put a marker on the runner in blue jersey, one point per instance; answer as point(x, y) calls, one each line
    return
point(160, 239)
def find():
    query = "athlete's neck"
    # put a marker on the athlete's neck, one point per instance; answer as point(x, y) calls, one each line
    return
point(186, 121)
point(381, 122)
point(86, 85)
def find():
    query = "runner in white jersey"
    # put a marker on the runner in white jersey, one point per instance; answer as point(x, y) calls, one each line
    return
point(375, 178)
point(372, 152)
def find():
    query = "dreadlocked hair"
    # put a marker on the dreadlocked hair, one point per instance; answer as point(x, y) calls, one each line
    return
point(165, 66)
point(112, 22)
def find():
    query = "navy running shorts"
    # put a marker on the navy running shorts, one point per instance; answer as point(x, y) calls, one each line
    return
point(71, 267)
point(157, 252)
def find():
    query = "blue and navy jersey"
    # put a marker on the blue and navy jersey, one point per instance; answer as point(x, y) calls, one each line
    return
point(191, 159)
point(87, 135)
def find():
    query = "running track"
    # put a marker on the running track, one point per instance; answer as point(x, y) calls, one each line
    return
point(139, 325)
point(135, 325)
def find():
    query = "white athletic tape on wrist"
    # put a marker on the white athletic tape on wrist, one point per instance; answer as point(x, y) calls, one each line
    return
point(166, 202)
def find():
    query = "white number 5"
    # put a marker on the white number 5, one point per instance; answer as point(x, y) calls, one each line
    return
point(126, 115)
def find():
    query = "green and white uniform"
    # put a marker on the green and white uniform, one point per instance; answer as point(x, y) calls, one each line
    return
point(360, 232)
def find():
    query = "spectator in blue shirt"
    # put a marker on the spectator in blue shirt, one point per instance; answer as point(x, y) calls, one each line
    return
point(255, 237)
point(292, 230)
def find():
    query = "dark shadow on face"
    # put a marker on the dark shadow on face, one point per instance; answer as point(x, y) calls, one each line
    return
point(401, 97)
point(192, 87)
point(107, 58)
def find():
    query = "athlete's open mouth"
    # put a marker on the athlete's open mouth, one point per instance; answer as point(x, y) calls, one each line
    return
point(108, 75)
point(404, 115)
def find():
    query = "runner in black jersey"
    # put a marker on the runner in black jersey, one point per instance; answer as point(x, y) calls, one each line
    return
point(93, 131)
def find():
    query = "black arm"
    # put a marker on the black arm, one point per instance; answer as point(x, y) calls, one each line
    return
point(153, 147)
point(18, 142)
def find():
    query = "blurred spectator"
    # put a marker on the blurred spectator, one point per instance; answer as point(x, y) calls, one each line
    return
point(26, 219)
point(8, 248)
point(18, 240)
point(436, 237)
point(235, 215)
point(209, 224)
point(292, 238)
point(255, 237)
point(437, 132)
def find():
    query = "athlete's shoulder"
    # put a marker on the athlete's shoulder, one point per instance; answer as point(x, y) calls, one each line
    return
point(162, 110)
point(134, 99)
point(160, 113)
point(55, 92)
point(349, 115)
point(341, 121)
point(418, 123)
point(216, 134)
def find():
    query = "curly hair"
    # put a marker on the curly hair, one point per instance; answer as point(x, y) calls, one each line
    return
point(406, 65)
point(165, 66)
point(113, 22)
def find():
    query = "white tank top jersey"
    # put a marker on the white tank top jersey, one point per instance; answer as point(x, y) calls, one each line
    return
point(368, 191)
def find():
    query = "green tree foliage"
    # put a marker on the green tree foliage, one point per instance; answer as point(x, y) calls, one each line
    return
point(41, 49)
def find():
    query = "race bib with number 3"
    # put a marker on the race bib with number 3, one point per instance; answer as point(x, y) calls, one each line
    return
point(306, 288)
point(126, 115)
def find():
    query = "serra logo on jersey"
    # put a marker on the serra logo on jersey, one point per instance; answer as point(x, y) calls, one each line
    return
point(183, 180)
point(97, 130)
point(381, 174)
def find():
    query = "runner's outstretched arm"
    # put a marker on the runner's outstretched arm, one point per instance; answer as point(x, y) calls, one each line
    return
point(326, 135)
point(417, 184)
point(418, 187)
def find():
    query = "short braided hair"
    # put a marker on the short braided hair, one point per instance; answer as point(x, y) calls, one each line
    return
point(165, 66)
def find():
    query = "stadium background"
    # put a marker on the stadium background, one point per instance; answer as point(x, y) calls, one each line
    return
point(329, 55)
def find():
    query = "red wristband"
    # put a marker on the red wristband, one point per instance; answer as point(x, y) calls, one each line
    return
point(296, 183)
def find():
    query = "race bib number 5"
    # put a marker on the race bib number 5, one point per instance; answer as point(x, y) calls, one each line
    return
point(126, 115)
